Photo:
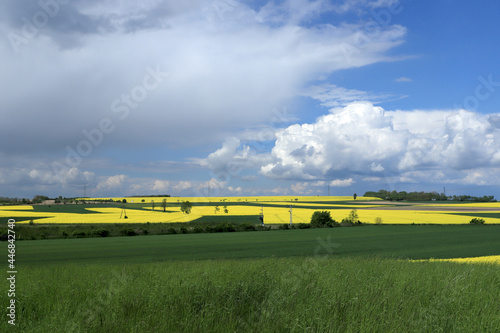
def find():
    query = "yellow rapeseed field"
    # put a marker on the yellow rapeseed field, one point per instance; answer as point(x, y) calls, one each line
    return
point(276, 211)
point(471, 260)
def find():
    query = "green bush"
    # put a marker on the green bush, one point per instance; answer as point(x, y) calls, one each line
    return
point(79, 234)
point(128, 232)
point(102, 232)
point(321, 219)
point(477, 220)
point(247, 227)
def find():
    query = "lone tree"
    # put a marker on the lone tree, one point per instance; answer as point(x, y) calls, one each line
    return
point(322, 219)
point(353, 217)
point(186, 207)
point(164, 205)
point(355, 196)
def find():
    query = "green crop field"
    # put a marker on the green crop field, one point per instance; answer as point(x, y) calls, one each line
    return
point(400, 241)
point(356, 279)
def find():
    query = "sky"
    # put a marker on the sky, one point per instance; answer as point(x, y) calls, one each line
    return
point(232, 97)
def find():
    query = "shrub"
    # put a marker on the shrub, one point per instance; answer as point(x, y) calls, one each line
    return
point(378, 220)
point(321, 219)
point(79, 234)
point(171, 231)
point(477, 220)
point(303, 225)
point(247, 227)
point(353, 216)
point(284, 227)
point(102, 233)
point(262, 228)
point(184, 230)
point(198, 229)
point(224, 227)
point(128, 232)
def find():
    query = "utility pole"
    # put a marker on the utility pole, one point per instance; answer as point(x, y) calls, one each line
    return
point(291, 216)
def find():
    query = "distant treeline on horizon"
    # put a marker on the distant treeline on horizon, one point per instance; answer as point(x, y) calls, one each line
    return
point(426, 196)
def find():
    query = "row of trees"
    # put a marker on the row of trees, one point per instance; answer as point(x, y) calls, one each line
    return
point(425, 196)
point(410, 196)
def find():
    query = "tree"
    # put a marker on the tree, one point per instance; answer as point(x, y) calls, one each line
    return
point(217, 209)
point(353, 216)
point(186, 207)
point(355, 196)
point(322, 219)
point(164, 205)
point(39, 198)
point(225, 210)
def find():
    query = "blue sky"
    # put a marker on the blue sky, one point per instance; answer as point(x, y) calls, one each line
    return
point(228, 97)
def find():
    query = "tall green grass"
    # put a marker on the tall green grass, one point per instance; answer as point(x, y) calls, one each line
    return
point(259, 295)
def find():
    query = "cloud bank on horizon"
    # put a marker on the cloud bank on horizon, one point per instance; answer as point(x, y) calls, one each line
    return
point(230, 98)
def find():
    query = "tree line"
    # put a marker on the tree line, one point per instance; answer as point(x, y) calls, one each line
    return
point(425, 196)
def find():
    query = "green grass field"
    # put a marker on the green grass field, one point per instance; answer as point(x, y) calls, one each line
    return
point(405, 241)
point(353, 279)
point(259, 295)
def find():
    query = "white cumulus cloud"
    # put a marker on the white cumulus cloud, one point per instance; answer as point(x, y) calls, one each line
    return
point(365, 140)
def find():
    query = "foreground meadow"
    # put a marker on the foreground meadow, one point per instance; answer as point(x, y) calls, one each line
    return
point(260, 295)
point(356, 279)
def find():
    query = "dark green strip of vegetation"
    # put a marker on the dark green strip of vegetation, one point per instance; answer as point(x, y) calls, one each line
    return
point(481, 214)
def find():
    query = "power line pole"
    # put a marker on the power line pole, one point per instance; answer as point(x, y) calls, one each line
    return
point(291, 216)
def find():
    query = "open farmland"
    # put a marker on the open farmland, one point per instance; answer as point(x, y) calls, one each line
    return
point(441, 274)
point(321, 280)
point(276, 210)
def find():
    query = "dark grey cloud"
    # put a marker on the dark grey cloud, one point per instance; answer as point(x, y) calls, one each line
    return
point(132, 79)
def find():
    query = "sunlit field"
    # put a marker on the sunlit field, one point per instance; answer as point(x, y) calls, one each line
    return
point(276, 210)
point(471, 260)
